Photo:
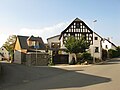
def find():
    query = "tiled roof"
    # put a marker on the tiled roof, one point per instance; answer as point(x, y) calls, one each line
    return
point(53, 37)
point(24, 45)
point(110, 42)
point(23, 41)
point(77, 19)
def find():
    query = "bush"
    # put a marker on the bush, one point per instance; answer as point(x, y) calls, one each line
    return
point(104, 54)
point(84, 57)
point(50, 61)
point(113, 53)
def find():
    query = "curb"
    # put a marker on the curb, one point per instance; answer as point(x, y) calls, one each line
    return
point(103, 61)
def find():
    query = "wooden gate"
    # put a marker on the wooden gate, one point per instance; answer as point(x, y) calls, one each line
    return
point(60, 59)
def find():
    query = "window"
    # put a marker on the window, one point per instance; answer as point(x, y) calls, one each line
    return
point(96, 49)
point(55, 45)
point(77, 25)
point(106, 46)
point(32, 43)
point(96, 38)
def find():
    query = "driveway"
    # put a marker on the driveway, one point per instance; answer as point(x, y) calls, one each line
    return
point(94, 77)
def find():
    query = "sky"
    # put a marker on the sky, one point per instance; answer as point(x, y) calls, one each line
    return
point(47, 18)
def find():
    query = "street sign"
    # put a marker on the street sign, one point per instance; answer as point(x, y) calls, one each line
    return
point(36, 47)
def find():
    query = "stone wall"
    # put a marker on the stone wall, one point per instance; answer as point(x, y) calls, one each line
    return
point(37, 59)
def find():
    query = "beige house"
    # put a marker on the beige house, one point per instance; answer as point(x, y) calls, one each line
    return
point(27, 48)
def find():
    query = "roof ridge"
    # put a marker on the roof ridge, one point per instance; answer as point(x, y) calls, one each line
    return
point(77, 19)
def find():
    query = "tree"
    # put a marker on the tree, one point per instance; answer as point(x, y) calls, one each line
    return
point(113, 53)
point(9, 44)
point(118, 50)
point(76, 46)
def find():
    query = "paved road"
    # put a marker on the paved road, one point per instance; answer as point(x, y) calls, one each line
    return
point(94, 77)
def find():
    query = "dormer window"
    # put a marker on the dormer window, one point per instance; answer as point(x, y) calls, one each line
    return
point(32, 43)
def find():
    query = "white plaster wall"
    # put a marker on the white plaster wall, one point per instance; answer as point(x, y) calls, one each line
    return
point(71, 55)
point(96, 43)
point(0, 57)
point(17, 57)
point(5, 52)
point(104, 43)
point(55, 39)
point(61, 40)
point(110, 46)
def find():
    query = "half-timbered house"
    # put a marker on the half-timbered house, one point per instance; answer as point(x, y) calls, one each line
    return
point(79, 29)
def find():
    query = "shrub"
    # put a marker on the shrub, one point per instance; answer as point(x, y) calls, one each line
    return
point(104, 54)
point(85, 57)
point(113, 53)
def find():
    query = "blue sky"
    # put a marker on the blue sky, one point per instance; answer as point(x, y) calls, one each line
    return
point(47, 18)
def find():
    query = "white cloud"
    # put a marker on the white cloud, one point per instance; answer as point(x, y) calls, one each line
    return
point(3, 38)
point(44, 32)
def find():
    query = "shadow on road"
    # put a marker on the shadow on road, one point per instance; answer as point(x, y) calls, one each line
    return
point(20, 77)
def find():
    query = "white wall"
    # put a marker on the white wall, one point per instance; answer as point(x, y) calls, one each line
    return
point(0, 57)
point(71, 55)
point(5, 53)
point(55, 39)
point(109, 45)
point(96, 43)
point(17, 57)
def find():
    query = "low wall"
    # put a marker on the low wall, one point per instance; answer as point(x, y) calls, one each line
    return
point(71, 55)
point(41, 59)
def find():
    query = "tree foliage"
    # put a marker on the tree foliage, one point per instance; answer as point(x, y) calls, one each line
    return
point(114, 53)
point(76, 46)
point(118, 50)
point(9, 44)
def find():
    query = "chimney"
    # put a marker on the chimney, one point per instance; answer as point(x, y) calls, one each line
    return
point(108, 38)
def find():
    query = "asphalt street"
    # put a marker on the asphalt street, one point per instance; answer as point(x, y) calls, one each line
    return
point(103, 76)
